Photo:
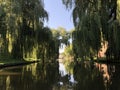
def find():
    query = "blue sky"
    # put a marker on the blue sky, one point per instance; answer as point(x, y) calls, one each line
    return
point(59, 16)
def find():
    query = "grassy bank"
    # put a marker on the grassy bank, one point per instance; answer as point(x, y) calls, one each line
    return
point(108, 61)
point(13, 62)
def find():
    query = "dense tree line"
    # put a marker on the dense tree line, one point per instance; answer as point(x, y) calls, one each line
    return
point(22, 31)
point(96, 22)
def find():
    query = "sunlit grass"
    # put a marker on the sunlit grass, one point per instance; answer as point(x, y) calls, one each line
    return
point(15, 61)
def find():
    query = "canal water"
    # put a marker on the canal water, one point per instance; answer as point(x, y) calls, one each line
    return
point(81, 76)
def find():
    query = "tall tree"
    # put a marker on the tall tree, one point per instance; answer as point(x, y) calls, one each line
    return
point(95, 22)
point(22, 30)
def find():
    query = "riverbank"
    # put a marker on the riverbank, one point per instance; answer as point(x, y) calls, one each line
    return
point(107, 61)
point(11, 63)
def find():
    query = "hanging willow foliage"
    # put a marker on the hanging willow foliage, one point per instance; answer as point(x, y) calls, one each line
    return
point(95, 21)
point(22, 30)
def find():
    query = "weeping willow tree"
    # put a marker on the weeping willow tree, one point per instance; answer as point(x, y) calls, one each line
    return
point(22, 31)
point(95, 22)
point(86, 40)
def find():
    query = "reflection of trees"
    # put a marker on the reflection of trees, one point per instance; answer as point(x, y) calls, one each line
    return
point(115, 79)
point(3, 83)
point(46, 77)
point(97, 77)
point(110, 75)
point(88, 77)
point(43, 78)
point(69, 66)
point(104, 69)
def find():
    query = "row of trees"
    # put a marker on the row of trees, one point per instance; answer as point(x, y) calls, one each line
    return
point(96, 23)
point(22, 31)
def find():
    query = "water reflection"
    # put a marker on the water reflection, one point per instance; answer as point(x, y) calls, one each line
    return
point(88, 77)
point(114, 73)
point(62, 69)
point(96, 76)
point(66, 80)
point(82, 76)
point(30, 77)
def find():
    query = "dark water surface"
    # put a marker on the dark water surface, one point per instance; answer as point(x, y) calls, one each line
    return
point(82, 76)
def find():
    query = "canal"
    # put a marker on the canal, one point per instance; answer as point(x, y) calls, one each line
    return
point(82, 76)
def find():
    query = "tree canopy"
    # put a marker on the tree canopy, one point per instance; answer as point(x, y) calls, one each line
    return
point(22, 31)
point(96, 22)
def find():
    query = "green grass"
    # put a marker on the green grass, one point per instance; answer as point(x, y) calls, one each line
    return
point(13, 61)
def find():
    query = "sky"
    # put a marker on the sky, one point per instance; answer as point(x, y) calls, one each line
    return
point(59, 16)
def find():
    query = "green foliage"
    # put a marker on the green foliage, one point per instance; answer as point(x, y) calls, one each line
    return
point(68, 51)
point(22, 32)
point(87, 77)
point(95, 21)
